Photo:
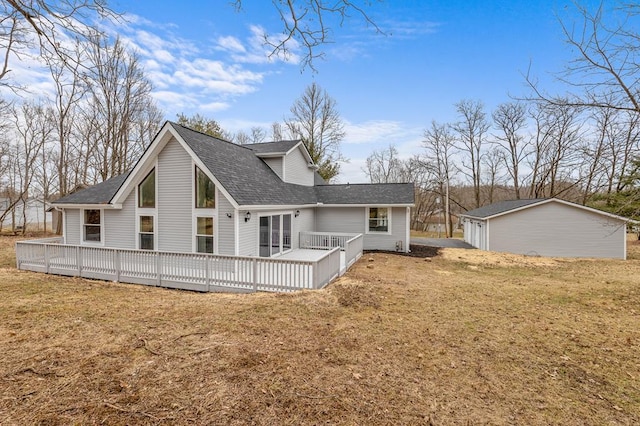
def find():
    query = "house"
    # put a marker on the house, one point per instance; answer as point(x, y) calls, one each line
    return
point(32, 213)
point(434, 221)
point(194, 193)
point(546, 227)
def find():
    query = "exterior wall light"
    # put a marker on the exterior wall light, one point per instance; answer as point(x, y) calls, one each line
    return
point(297, 213)
point(247, 216)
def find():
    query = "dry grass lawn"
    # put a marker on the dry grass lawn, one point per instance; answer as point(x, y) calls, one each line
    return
point(463, 338)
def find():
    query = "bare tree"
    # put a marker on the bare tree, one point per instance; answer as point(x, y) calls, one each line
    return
point(604, 73)
point(510, 120)
point(315, 119)
point(439, 145)
point(593, 163)
point(492, 161)
point(69, 91)
point(32, 130)
point(309, 23)
point(384, 166)
point(555, 149)
point(46, 25)
point(119, 94)
point(471, 131)
point(258, 134)
point(278, 131)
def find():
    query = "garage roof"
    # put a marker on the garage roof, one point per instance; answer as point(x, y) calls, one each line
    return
point(510, 206)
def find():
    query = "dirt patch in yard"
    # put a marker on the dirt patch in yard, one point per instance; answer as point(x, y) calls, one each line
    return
point(441, 340)
point(484, 258)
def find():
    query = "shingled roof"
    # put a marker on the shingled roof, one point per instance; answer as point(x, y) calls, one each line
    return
point(501, 207)
point(251, 182)
point(277, 147)
point(366, 193)
point(101, 193)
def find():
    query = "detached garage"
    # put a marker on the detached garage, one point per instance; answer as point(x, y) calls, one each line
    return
point(546, 227)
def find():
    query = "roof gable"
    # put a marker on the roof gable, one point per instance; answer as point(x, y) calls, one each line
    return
point(501, 207)
point(511, 206)
point(279, 148)
point(242, 177)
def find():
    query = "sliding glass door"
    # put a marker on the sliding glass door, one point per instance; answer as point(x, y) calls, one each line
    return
point(275, 234)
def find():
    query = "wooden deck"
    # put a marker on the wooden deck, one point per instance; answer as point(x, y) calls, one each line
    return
point(313, 255)
point(299, 269)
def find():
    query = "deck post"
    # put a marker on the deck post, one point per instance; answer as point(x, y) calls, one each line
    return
point(316, 274)
point(46, 258)
point(158, 272)
point(207, 272)
point(116, 261)
point(79, 259)
point(254, 262)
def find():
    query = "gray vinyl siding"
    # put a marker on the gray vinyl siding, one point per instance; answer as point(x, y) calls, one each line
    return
point(72, 226)
point(304, 222)
point(175, 199)
point(275, 164)
point(248, 234)
point(120, 225)
point(353, 220)
point(297, 170)
point(226, 232)
point(557, 230)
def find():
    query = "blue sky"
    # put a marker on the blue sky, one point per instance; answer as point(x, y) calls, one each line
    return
point(205, 57)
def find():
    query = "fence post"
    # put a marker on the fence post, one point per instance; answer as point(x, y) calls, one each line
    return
point(207, 272)
point(255, 274)
point(315, 274)
point(46, 258)
point(116, 262)
point(158, 272)
point(79, 259)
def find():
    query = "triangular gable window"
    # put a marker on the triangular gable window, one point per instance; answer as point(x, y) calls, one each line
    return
point(147, 191)
point(205, 191)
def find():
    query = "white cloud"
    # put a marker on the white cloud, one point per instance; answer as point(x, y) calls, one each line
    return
point(235, 125)
point(259, 52)
point(404, 29)
point(231, 43)
point(351, 172)
point(214, 106)
point(187, 75)
point(373, 131)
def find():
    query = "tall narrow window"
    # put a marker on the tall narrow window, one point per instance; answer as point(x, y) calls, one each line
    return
point(205, 191)
point(92, 226)
point(265, 226)
point(204, 235)
point(147, 191)
point(286, 232)
point(378, 219)
point(146, 233)
point(275, 235)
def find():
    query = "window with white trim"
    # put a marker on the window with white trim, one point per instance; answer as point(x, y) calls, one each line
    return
point(378, 219)
point(205, 191)
point(204, 234)
point(147, 191)
point(92, 226)
point(146, 234)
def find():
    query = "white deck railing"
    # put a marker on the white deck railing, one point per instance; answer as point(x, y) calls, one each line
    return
point(190, 271)
point(351, 244)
